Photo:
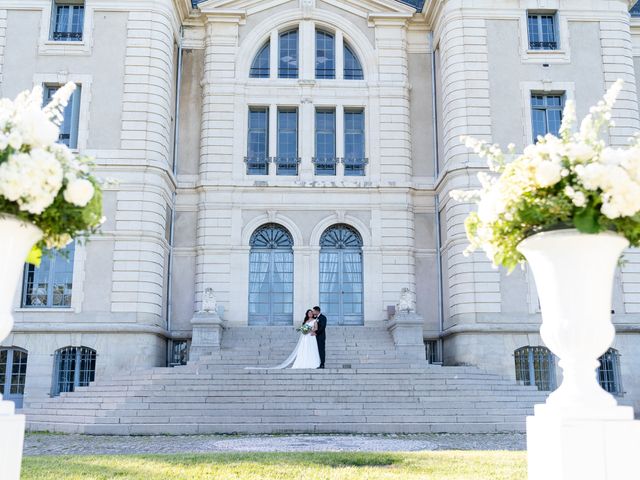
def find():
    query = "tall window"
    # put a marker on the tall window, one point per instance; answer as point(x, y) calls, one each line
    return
point(325, 55)
point(49, 285)
point(288, 54)
point(325, 160)
point(73, 367)
point(258, 142)
point(13, 373)
point(287, 159)
point(542, 31)
point(260, 68)
point(546, 114)
point(271, 276)
point(70, 124)
point(341, 291)
point(178, 353)
point(536, 366)
point(609, 372)
point(67, 21)
point(352, 66)
point(354, 146)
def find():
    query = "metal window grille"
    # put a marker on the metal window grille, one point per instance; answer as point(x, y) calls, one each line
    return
point(51, 284)
point(546, 114)
point(325, 55)
point(73, 367)
point(68, 22)
point(325, 166)
point(13, 373)
point(608, 372)
point(288, 67)
point(179, 353)
point(542, 31)
point(261, 67)
point(433, 351)
point(535, 366)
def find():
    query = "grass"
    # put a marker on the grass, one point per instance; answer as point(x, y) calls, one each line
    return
point(282, 466)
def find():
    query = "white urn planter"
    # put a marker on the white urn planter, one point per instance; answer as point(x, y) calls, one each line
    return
point(580, 432)
point(16, 240)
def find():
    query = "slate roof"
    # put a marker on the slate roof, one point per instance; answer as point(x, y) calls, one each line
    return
point(414, 3)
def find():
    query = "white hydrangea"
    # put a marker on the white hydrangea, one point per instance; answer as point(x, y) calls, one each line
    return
point(548, 173)
point(79, 192)
point(32, 180)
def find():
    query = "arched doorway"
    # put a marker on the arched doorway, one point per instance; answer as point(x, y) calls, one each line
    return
point(271, 276)
point(341, 286)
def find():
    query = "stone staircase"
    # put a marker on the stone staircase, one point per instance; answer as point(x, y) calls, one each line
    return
point(366, 388)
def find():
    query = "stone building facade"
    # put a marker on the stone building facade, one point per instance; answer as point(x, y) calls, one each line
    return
point(287, 153)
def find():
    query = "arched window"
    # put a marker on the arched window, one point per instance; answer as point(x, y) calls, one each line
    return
point(271, 276)
point(352, 66)
point(73, 367)
point(325, 55)
point(13, 373)
point(260, 67)
point(609, 372)
point(289, 64)
point(49, 285)
point(536, 366)
point(341, 286)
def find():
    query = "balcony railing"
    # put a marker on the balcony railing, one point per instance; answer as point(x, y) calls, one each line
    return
point(287, 166)
point(257, 165)
point(354, 166)
point(553, 45)
point(67, 36)
point(325, 166)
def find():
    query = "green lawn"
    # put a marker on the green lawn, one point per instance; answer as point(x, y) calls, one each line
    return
point(282, 466)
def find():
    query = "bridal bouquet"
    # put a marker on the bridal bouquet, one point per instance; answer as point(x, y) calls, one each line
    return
point(42, 182)
point(304, 329)
point(573, 180)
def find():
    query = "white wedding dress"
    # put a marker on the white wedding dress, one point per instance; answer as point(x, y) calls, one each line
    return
point(305, 355)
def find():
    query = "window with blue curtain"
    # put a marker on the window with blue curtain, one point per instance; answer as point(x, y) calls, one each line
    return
point(70, 124)
point(608, 372)
point(73, 367)
point(288, 67)
point(542, 31)
point(258, 141)
point(352, 66)
point(536, 366)
point(13, 374)
point(271, 276)
point(341, 275)
point(325, 160)
point(287, 159)
point(325, 55)
point(261, 66)
point(51, 284)
point(546, 114)
point(354, 143)
point(67, 22)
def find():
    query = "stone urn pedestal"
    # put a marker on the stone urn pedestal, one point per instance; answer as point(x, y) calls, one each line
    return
point(406, 328)
point(580, 433)
point(207, 334)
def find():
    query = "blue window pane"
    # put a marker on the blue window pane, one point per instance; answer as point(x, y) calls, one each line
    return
point(288, 55)
point(287, 160)
point(69, 128)
point(354, 146)
point(49, 285)
point(73, 367)
point(271, 276)
point(542, 32)
point(325, 55)
point(341, 275)
point(325, 160)
point(68, 23)
point(258, 141)
point(260, 67)
point(352, 66)
point(546, 114)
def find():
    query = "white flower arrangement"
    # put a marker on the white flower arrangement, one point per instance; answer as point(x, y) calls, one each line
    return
point(42, 182)
point(573, 180)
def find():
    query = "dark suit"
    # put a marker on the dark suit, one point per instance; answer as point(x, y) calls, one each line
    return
point(321, 336)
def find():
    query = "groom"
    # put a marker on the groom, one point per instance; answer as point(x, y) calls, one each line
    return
point(320, 333)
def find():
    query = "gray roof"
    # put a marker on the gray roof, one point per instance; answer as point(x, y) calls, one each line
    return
point(414, 3)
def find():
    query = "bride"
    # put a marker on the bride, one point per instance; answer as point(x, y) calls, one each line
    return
point(305, 355)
